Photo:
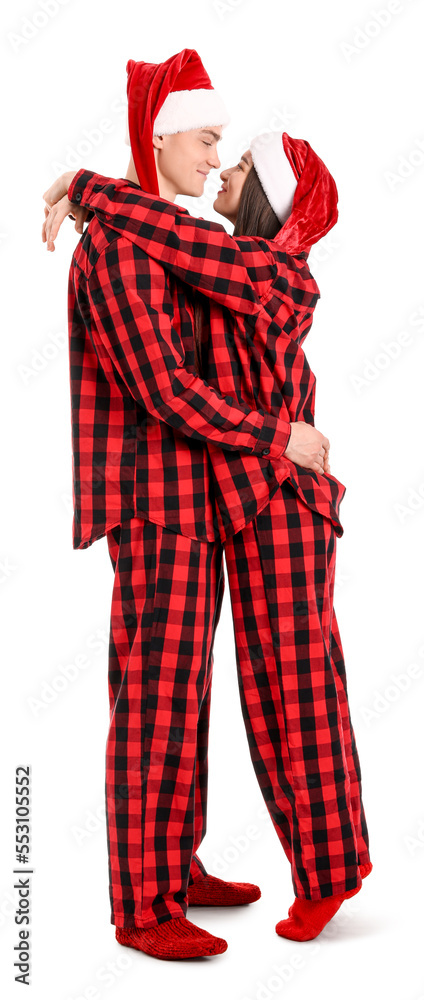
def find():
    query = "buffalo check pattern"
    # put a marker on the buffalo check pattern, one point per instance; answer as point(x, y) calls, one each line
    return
point(166, 604)
point(293, 690)
point(140, 415)
point(258, 305)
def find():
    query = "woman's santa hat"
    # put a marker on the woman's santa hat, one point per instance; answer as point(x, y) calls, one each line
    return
point(165, 98)
point(299, 188)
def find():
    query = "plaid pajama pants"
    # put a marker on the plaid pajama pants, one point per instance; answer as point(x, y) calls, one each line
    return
point(292, 681)
point(166, 603)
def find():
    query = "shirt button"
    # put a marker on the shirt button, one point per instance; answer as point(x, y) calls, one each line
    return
point(265, 451)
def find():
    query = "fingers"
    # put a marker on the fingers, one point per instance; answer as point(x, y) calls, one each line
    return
point(53, 221)
point(80, 215)
point(321, 464)
point(53, 224)
point(56, 191)
point(54, 217)
point(48, 228)
point(323, 457)
point(43, 228)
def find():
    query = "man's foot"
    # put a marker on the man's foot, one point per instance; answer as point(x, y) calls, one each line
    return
point(175, 938)
point(212, 891)
point(308, 917)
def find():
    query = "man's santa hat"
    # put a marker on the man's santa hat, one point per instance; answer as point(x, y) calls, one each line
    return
point(299, 188)
point(165, 98)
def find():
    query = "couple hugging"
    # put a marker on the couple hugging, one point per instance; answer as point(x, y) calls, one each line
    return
point(192, 409)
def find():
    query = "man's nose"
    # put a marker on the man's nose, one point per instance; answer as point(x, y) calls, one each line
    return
point(213, 159)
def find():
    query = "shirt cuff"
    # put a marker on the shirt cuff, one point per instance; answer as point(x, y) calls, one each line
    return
point(82, 186)
point(274, 436)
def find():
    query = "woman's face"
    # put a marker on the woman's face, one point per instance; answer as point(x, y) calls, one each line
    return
point(227, 200)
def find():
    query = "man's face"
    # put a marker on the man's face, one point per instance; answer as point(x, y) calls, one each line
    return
point(184, 160)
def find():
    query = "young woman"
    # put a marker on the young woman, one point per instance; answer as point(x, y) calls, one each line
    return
point(281, 566)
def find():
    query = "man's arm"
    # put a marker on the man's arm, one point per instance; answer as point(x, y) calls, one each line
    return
point(237, 272)
point(133, 332)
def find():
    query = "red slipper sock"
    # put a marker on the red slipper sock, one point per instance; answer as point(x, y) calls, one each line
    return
point(308, 917)
point(211, 891)
point(175, 938)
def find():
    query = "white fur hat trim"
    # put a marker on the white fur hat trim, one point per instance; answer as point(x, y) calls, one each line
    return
point(275, 172)
point(184, 110)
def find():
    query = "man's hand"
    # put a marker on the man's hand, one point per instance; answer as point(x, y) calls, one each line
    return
point(308, 447)
point(60, 207)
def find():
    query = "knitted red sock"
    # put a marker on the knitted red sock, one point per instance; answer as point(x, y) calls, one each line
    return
point(211, 891)
point(175, 938)
point(308, 917)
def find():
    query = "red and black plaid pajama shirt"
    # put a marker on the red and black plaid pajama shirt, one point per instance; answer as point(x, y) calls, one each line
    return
point(281, 565)
point(142, 476)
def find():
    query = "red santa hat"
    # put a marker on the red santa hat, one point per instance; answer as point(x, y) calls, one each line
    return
point(165, 98)
point(299, 187)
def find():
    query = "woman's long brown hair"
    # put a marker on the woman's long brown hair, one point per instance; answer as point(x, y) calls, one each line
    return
point(255, 217)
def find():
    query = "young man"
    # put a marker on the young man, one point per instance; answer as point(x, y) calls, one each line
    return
point(140, 477)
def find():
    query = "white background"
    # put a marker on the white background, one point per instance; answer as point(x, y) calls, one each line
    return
point(334, 74)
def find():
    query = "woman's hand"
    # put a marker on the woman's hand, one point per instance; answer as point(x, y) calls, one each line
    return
point(60, 207)
point(308, 447)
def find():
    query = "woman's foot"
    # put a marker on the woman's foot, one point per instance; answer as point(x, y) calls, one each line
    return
point(175, 938)
point(308, 917)
point(212, 891)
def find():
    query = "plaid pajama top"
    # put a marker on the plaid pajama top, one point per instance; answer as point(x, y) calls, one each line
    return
point(258, 303)
point(141, 416)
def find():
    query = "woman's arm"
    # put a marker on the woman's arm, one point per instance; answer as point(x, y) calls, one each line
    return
point(236, 272)
point(198, 251)
point(131, 330)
